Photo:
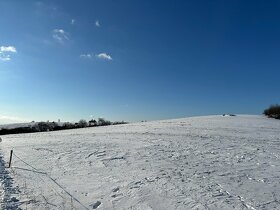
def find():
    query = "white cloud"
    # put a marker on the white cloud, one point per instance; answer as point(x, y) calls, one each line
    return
point(88, 55)
point(97, 24)
point(60, 35)
point(6, 51)
point(104, 56)
point(73, 21)
point(5, 57)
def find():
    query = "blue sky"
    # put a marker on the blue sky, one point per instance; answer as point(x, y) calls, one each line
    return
point(137, 60)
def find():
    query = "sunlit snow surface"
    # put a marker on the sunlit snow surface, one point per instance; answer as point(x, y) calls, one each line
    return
point(210, 162)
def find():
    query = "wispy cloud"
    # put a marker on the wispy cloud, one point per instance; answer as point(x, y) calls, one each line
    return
point(87, 55)
point(46, 8)
point(73, 21)
point(60, 35)
point(6, 51)
point(104, 56)
point(97, 24)
point(5, 57)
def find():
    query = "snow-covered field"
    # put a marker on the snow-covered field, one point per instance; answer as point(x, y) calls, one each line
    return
point(209, 162)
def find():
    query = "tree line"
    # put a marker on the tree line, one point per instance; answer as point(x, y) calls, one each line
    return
point(273, 111)
point(54, 126)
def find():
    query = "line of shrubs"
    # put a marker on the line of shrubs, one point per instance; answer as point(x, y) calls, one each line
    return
point(53, 126)
point(273, 111)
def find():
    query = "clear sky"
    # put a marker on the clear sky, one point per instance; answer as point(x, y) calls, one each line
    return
point(137, 59)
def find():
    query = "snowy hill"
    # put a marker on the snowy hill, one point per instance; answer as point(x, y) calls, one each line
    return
point(213, 162)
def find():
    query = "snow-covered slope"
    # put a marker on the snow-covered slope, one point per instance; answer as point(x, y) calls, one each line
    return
point(209, 162)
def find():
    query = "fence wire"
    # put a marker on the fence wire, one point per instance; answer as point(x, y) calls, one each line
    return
point(40, 175)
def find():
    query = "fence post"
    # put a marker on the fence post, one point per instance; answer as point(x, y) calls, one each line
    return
point(11, 156)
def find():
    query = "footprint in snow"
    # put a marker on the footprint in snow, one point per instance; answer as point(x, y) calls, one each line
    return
point(116, 189)
point(116, 195)
point(95, 205)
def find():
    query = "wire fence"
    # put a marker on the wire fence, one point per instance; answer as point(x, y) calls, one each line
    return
point(52, 195)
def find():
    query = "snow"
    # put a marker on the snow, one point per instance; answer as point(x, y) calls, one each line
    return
point(212, 162)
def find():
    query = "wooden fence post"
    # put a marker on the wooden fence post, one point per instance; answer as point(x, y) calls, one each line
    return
point(11, 156)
